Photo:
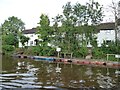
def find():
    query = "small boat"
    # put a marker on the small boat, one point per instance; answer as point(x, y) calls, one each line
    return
point(43, 58)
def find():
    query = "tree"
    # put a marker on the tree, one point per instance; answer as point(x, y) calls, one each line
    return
point(95, 13)
point(23, 40)
point(88, 16)
point(57, 39)
point(45, 33)
point(45, 30)
point(9, 39)
point(114, 11)
point(76, 31)
point(80, 12)
point(68, 29)
point(12, 26)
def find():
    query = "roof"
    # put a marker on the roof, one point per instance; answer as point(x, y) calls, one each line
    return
point(106, 26)
point(30, 31)
point(102, 26)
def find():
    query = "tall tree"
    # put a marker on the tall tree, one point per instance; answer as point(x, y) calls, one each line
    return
point(68, 28)
point(88, 16)
point(95, 13)
point(45, 30)
point(45, 34)
point(114, 10)
point(12, 26)
point(57, 39)
point(80, 11)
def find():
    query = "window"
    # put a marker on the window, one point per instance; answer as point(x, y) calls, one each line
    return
point(108, 42)
point(31, 36)
point(31, 43)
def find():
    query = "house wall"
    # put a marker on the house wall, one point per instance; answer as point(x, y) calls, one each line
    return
point(101, 36)
point(31, 41)
point(105, 35)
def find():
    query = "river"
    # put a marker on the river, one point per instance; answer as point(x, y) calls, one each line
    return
point(36, 74)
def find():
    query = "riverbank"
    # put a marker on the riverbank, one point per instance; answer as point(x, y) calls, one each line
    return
point(99, 63)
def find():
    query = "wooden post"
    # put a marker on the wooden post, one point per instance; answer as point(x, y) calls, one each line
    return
point(58, 54)
point(71, 55)
point(107, 57)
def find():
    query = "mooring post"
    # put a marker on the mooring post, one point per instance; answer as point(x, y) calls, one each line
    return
point(107, 57)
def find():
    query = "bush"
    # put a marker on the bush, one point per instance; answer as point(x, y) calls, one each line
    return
point(47, 51)
point(32, 50)
point(82, 52)
point(8, 48)
point(111, 48)
point(38, 50)
point(97, 53)
point(112, 58)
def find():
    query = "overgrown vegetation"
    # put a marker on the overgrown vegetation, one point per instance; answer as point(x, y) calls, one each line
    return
point(71, 31)
point(11, 31)
point(78, 26)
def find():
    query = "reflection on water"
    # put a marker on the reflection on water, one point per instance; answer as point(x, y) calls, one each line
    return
point(24, 73)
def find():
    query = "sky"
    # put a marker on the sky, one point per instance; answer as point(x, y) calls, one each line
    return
point(29, 11)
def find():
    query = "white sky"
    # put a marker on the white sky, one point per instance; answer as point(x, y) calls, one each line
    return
point(29, 11)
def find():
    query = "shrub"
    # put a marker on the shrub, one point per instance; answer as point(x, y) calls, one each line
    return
point(97, 53)
point(8, 48)
point(38, 50)
point(82, 52)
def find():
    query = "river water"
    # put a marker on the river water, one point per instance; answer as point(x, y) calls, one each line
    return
point(36, 74)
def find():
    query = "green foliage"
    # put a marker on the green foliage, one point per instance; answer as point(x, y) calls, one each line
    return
point(8, 48)
point(111, 47)
point(67, 10)
point(33, 50)
point(94, 10)
point(112, 58)
point(46, 34)
point(9, 39)
point(11, 29)
point(80, 12)
point(71, 37)
point(38, 50)
point(68, 29)
point(98, 53)
point(19, 50)
point(57, 31)
point(93, 41)
point(12, 25)
point(47, 51)
point(79, 15)
point(107, 48)
point(74, 28)
point(44, 30)
point(23, 39)
point(83, 51)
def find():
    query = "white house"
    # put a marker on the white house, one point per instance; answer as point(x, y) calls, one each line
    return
point(105, 32)
point(31, 33)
